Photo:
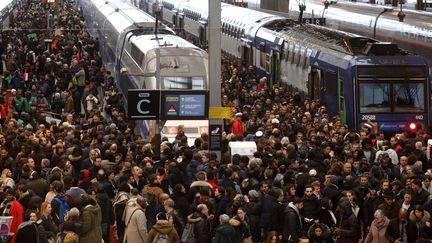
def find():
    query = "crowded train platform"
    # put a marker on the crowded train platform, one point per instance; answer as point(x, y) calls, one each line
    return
point(74, 169)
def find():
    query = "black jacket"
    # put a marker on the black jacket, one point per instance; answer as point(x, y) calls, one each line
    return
point(393, 231)
point(325, 217)
point(201, 227)
point(420, 198)
point(225, 233)
point(348, 224)
point(292, 228)
point(310, 207)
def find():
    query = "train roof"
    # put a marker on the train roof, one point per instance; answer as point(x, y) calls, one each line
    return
point(148, 42)
point(341, 41)
point(248, 17)
point(195, 7)
point(122, 15)
point(4, 4)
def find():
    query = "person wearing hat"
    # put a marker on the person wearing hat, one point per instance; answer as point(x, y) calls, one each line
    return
point(237, 125)
point(389, 206)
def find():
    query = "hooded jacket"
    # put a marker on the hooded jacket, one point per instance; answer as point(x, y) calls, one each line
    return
point(292, 228)
point(91, 218)
point(325, 235)
point(135, 222)
point(166, 228)
point(201, 227)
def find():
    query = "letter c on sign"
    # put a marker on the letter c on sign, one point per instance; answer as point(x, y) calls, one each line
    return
point(139, 106)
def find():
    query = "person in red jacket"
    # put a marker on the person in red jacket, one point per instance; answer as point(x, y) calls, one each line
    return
point(237, 125)
point(11, 207)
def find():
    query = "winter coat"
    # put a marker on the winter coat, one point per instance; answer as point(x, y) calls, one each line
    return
point(27, 233)
point(196, 187)
point(163, 227)
point(325, 235)
point(292, 228)
point(253, 210)
point(91, 218)
point(422, 230)
point(390, 211)
point(201, 227)
point(310, 207)
point(242, 230)
point(393, 231)
point(17, 212)
point(377, 232)
point(225, 233)
point(136, 223)
point(348, 224)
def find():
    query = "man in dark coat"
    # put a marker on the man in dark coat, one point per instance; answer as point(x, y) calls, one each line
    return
point(389, 206)
point(348, 228)
point(310, 203)
point(293, 228)
point(420, 195)
point(272, 211)
point(401, 229)
point(225, 233)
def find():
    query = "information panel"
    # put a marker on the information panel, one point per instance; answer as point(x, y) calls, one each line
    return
point(181, 105)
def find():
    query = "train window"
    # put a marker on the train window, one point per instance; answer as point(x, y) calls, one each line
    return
point(137, 55)
point(409, 97)
point(374, 97)
point(196, 83)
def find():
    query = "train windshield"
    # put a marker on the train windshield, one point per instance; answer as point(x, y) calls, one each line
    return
point(386, 97)
point(194, 83)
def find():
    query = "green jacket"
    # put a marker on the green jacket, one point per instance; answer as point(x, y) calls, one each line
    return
point(91, 218)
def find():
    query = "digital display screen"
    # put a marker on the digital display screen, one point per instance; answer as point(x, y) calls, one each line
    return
point(184, 105)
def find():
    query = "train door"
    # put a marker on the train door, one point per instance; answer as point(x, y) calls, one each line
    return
point(202, 34)
point(181, 22)
point(315, 83)
point(246, 54)
point(275, 67)
point(331, 92)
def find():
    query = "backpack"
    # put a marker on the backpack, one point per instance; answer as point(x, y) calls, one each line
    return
point(74, 80)
point(161, 238)
point(188, 235)
point(63, 207)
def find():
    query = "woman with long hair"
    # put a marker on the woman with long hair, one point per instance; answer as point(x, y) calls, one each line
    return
point(6, 178)
point(47, 221)
point(272, 237)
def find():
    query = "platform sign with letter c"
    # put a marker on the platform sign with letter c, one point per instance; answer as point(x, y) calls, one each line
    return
point(144, 104)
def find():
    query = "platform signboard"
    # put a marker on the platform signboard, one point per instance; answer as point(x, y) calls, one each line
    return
point(144, 104)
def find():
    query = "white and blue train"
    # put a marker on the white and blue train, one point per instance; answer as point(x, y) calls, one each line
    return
point(357, 78)
point(130, 48)
point(6, 9)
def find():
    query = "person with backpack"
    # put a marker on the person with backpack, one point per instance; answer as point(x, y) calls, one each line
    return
point(163, 231)
point(59, 204)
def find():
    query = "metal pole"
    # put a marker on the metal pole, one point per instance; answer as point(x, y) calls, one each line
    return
point(159, 123)
point(214, 37)
point(376, 21)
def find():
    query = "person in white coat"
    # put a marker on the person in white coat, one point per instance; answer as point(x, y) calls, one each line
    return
point(135, 221)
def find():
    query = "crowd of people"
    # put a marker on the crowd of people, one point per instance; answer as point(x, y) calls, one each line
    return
point(74, 169)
